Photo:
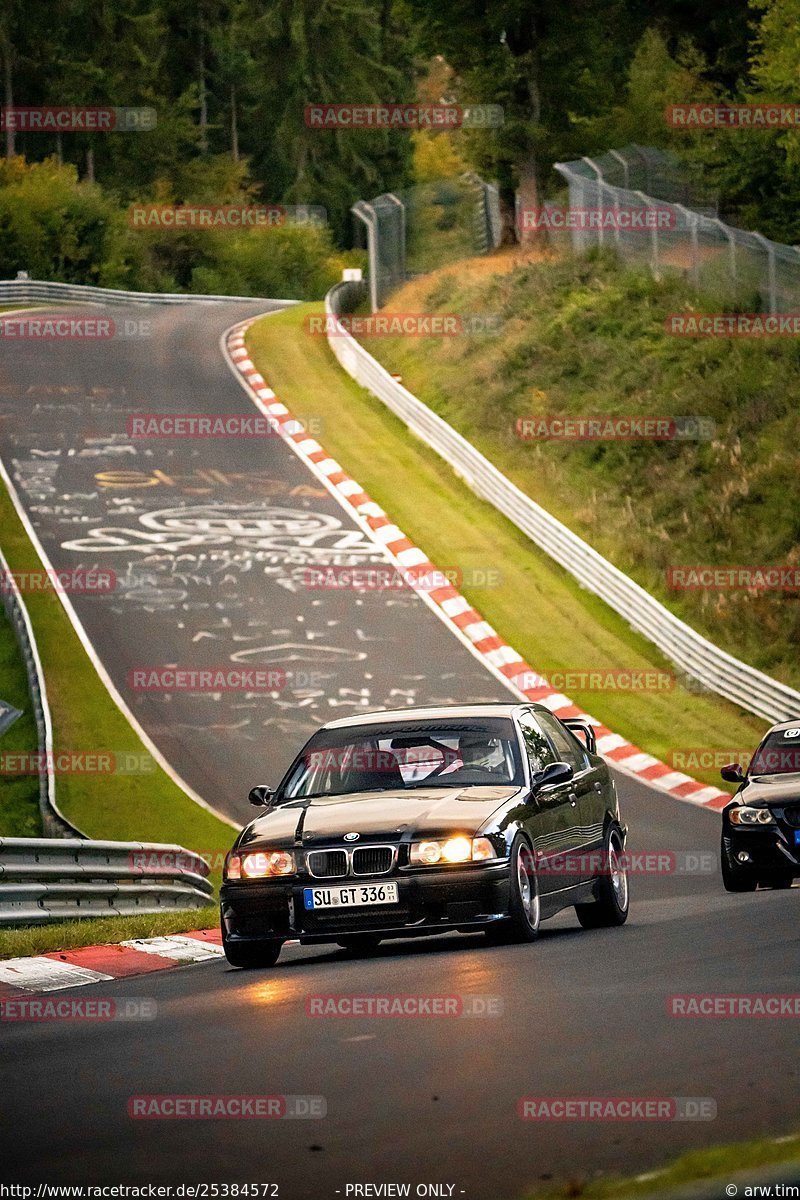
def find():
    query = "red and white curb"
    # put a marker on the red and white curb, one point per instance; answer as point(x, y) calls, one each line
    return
point(99, 964)
point(501, 659)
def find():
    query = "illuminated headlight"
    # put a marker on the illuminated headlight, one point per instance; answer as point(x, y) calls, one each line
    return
point(751, 816)
point(453, 850)
point(260, 864)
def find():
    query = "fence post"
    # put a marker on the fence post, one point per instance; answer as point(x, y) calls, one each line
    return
point(599, 175)
point(731, 248)
point(771, 277)
point(626, 178)
point(366, 213)
point(693, 220)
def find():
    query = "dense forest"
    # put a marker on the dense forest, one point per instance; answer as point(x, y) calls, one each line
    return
point(228, 83)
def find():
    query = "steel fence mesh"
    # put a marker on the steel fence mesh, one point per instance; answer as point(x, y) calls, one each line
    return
point(419, 229)
point(685, 233)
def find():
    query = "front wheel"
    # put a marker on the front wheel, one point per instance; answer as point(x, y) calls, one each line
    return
point(524, 906)
point(611, 906)
point(251, 955)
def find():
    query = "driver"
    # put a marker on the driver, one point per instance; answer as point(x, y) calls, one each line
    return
point(479, 752)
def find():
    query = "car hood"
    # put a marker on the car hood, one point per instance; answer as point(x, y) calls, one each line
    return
point(770, 789)
point(425, 811)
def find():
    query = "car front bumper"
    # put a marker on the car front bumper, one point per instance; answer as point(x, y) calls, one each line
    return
point(771, 850)
point(429, 902)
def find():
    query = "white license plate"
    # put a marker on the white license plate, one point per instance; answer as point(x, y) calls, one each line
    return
point(358, 895)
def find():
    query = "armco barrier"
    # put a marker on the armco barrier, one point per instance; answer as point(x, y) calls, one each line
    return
point(36, 291)
point(717, 671)
point(54, 822)
point(49, 879)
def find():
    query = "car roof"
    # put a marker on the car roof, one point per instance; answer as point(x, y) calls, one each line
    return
point(781, 725)
point(444, 712)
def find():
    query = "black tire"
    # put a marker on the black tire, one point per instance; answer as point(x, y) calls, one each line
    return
point(736, 879)
point(611, 906)
point(360, 943)
point(251, 955)
point(524, 907)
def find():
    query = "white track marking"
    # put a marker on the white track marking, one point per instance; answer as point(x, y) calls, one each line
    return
point(46, 974)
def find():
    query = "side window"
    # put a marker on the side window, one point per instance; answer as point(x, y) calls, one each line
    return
point(568, 748)
point(536, 744)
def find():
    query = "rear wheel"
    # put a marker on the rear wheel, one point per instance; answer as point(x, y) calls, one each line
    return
point(252, 954)
point(524, 906)
point(360, 943)
point(611, 906)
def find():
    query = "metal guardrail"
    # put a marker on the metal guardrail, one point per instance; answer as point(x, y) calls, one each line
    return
point(717, 671)
point(33, 291)
point(54, 823)
point(47, 879)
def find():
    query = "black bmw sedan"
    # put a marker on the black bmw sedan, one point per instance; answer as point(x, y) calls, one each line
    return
point(761, 825)
point(485, 817)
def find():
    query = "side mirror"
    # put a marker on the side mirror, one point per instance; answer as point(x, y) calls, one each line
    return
point(552, 775)
point(732, 773)
point(261, 796)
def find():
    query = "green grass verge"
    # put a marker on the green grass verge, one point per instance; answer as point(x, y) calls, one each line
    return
point(147, 807)
point(19, 795)
point(583, 338)
point(716, 1163)
point(69, 935)
point(538, 608)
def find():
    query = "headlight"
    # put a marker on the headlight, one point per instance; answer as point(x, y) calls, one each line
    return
point(260, 864)
point(453, 850)
point(751, 816)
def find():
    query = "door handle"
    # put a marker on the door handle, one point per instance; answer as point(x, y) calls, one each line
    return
point(598, 787)
point(573, 799)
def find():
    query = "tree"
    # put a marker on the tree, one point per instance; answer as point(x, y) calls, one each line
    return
point(543, 62)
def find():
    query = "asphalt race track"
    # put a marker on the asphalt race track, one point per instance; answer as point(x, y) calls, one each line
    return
point(429, 1100)
point(212, 543)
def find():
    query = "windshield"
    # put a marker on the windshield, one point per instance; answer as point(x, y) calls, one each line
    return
point(778, 754)
point(404, 757)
